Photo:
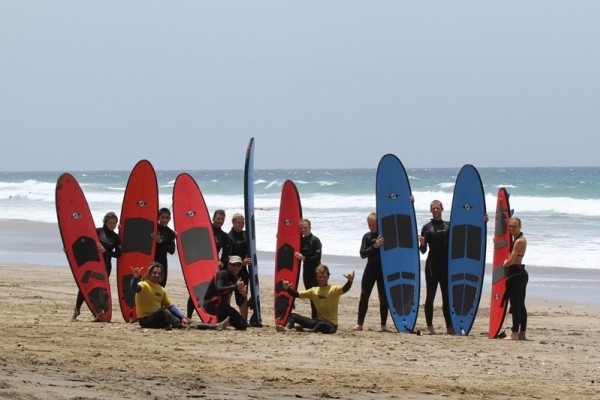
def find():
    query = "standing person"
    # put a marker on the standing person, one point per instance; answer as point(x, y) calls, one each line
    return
point(369, 249)
point(326, 298)
point(435, 234)
point(222, 243)
point(218, 295)
point(153, 305)
point(516, 283)
point(310, 255)
point(165, 242)
point(238, 246)
point(109, 244)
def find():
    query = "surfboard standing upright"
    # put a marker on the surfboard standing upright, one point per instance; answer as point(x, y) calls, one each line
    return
point(466, 247)
point(139, 219)
point(79, 237)
point(287, 267)
point(400, 252)
point(501, 252)
point(255, 319)
point(195, 241)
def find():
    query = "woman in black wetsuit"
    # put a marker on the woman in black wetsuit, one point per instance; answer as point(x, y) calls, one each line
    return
point(516, 283)
point(165, 242)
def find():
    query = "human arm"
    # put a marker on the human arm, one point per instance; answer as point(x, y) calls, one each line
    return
point(287, 286)
point(517, 253)
point(135, 285)
point(348, 284)
point(177, 312)
point(368, 246)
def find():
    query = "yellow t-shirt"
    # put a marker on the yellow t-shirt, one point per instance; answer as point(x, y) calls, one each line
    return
point(326, 299)
point(151, 298)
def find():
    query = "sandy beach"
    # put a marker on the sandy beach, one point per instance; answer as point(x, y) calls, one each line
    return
point(46, 356)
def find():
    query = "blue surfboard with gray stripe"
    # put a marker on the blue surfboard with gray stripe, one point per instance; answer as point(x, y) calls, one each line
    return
point(400, 254)
point(466, 249)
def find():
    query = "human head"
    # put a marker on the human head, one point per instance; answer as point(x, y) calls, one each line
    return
point(305, 227)
point(436, 207)
point(218, 218)
point(164, 216)
point(110, 220)
point(155, 272)
point(322, 274)
point(514, 225)
point(237, 220)
point(235, 264)
point(372, 222)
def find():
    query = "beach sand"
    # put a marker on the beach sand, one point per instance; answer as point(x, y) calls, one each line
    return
point(46, 356)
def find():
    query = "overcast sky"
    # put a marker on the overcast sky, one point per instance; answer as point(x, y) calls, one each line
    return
point(93, 85)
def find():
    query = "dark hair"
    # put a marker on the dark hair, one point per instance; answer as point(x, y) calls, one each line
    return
point(153, 265)
point(164, 210)
point(219, 212)
point(108, 216)
point(323, 267)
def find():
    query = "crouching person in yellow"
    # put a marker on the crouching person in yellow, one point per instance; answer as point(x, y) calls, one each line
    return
point(153, 306)
point(326, 298)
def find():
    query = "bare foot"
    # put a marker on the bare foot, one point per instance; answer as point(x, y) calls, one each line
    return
point(450, 331)
point(522, 336)
point(430, 330)
point(513, 336)
point(279, 328)
point(357, 327)
point(384, 328)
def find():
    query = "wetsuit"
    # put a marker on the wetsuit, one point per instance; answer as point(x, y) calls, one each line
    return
point(310, 248)
point(238, 246)
point(516, 287)
point(435, 233)
point(218, 296)
point(153, 306)
point(223, 243)
point(166, 245)
point(373, 274)
point(112, 244)
point(326, 300)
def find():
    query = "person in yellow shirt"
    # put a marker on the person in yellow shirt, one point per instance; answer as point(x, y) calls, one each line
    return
point(326, 299)
point(153, 306)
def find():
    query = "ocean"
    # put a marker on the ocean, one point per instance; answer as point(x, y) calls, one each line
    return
point(559, 207)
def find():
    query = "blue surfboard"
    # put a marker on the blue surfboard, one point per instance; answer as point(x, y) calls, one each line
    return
point(255, 319)
point(466, 249)
point(400, 253)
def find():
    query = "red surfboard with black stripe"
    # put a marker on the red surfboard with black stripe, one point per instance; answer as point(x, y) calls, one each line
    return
point(287, 267)
point(501, 252)
point(80, 239)
point(195, 241)
point(139, 219)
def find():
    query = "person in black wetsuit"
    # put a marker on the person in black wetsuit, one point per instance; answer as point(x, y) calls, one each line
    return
point(218, 295)
point(222, 242)
point(310, 255)
point(435, 235)
point(369, 249)
point(165, 242)
point(109, 244)
point(516, 284)
point(238, 246)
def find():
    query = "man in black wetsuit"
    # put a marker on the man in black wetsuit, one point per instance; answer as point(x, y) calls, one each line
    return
point(165, 242)
point(218, 294)
point(238, 246)
point(310, 255)
point(435, 234)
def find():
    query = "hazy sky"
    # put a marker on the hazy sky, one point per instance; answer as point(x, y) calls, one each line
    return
point(88, 85)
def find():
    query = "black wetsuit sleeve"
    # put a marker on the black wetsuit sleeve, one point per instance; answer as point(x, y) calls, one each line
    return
point(347, 286)
point(423, 249)
point(223, 283)
point(366, 246)
point(168, 244)
point(293, 292)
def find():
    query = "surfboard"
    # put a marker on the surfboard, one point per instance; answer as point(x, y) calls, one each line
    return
point(139, 219)
point(400, 252)
point(79, 237)
point(466, 249)
point(287, 267)
point(501, 252)
point(255, 319)
point(195, 241)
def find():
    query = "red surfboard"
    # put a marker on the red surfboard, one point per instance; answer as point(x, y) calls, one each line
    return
point(195, 241)
point(287, 267)
point(80, 239)
point(139, 219)
point(501, 252)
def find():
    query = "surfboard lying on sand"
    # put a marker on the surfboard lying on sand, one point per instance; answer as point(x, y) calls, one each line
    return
point(195, 241)
point(400, 252)
point(501, 252)
point(255, 319)
point(466, 247)
point(287, 267)
point(139, 219)
point(79, 237)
